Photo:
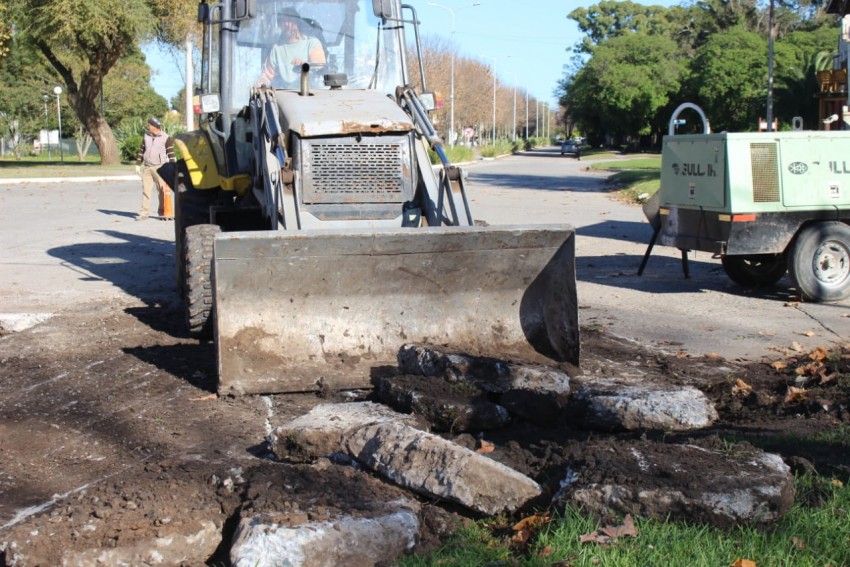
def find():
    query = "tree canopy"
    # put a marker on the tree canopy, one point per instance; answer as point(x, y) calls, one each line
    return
point(80, 42)
point(637, 63)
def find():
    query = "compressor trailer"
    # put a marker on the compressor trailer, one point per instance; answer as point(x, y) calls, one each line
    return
point(766, 203)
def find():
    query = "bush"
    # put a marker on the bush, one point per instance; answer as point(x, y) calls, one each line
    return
point(131, 131)
point(500, 148)
point(455, 154)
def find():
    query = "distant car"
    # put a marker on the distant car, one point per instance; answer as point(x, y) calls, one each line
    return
point(569, 147)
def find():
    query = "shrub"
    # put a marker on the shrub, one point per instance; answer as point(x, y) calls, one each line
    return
point(131, 131)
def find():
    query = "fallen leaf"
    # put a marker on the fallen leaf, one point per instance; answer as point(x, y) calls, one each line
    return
point(779, 365)
point(792, 303)
point(594, 537)
point(206, 398)
point(798, 543)
point(526, 527)
point(819, 354)
point(827, 378)
point(809, 334)
point(627, 528)
point(486, 447)
point(741, 388)
point(796, 346)
point(545, 552)
point(795, 395)
point(744, 563)
point(837, 483)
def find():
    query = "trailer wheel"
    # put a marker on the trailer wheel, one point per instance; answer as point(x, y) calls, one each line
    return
point(198, 294)
point(754, 271)
point(819, 261)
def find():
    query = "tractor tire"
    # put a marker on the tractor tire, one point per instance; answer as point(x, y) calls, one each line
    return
point(755, 271)
point(191, 207)
point(198, 292)
point(819, 261)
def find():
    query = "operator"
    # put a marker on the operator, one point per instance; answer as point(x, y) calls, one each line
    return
point(282, 68)
point(157, 150)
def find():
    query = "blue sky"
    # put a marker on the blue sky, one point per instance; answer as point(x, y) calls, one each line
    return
point(528, 40)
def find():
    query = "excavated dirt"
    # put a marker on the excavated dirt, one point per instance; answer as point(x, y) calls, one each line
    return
point(111, 433)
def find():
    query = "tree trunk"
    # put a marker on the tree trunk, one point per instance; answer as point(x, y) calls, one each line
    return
point(99, 130)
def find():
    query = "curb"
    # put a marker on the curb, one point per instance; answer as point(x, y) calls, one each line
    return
point(22, 180)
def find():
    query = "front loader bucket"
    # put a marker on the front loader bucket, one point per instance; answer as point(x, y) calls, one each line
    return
point(321, 309)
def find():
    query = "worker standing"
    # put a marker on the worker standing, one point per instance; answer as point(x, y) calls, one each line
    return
point(157, 150)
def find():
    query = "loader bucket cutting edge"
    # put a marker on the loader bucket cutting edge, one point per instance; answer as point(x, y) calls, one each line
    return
point(301, 311)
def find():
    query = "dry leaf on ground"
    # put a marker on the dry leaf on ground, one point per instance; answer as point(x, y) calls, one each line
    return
point(485, 447)
point(609, 533)
point(741, 388)
point(526, 527)
point(795, 395)
point(207, 398)
point(627, 528)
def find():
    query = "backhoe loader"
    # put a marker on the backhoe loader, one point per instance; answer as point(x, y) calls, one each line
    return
point(315, 237)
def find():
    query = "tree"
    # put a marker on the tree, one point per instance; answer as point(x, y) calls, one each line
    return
point(625, 84)
point(730, 72)
point(799, 56)
point(83, 40)
point(609, 19)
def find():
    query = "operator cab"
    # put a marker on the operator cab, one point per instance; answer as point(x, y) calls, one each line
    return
point(356, 44)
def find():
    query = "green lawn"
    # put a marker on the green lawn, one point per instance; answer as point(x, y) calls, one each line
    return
point(633, 177)
point(71, 167)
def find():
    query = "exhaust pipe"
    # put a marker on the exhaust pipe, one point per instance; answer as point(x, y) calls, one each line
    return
point(305, 89)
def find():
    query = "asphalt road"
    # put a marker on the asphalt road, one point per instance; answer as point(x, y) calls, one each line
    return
point(705, 314)
point(74, 245)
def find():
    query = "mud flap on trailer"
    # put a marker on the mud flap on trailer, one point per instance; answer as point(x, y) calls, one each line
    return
point(302, 311)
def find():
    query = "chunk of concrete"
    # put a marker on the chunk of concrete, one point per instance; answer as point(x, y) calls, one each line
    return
point(433, 466)
point(17, 322)
point(171, 548)
point(684, 482)
point(378, 539)
point(387, 443)
point(319, 432)
point(490, 374)
point(456, 407)
point(616, 406)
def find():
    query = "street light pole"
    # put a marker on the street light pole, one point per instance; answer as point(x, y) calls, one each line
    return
point(513, 131)
point(452, 71)
point(536, 118)
point(58, 91)
point(526, 115)
point(46, 98)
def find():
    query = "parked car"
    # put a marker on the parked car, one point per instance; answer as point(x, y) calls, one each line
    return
point(569, 147)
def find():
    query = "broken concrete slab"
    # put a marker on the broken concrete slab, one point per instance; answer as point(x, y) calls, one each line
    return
point(435, 467)
point(720, 488)
point(17, 322)
point(490, 374)
point(612, 406)
point(380, 538)
point(318, 432)
point(170, 549)
point(385, 442)
point(447, 406)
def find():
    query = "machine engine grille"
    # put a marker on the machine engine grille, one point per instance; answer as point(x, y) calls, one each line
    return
point(351, 170)
point(765, 172)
